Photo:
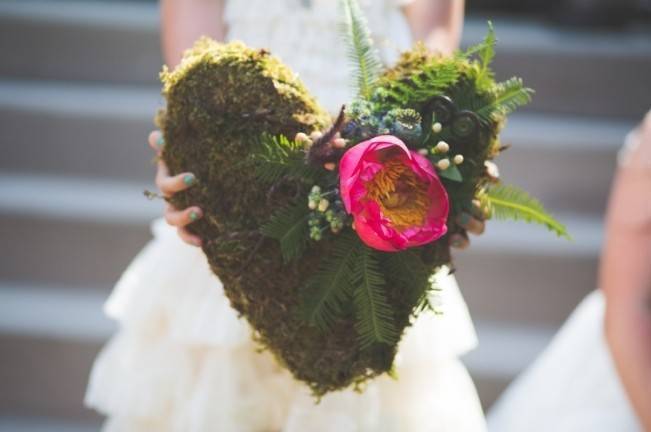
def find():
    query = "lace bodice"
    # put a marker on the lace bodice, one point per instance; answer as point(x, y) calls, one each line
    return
point(303, 33)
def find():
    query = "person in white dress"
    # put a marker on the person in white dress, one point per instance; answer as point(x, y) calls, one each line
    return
point(182, 360)
point(596, 374)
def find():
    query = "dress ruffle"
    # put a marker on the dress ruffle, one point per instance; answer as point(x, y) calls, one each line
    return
point(183, 361)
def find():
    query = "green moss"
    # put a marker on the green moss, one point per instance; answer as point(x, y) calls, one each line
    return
point(219, 100)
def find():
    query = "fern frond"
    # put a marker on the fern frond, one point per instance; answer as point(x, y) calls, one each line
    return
point(485, 49)
point(509, 95)
point(408, 269)
point(277, 157)
point(364, 57)
point(289, 226)
point(331, 286)
point(432, 80)
point(512, 203)
point(375, 322)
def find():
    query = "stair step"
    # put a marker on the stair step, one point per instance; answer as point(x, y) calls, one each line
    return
point(55, 327)
point(54, 312)
point(71, 128)
point(39, 424)
point(101, 131)
point(602, 73)
point(77, 199)
point(520, 273)
point(73, 230)
point(113, 41)
point(587, 72)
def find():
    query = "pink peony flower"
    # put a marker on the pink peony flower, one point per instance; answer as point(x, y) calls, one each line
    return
point(394, 195)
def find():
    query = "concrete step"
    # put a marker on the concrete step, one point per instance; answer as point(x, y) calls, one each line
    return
point(574, 71)
point(588, 71)
point(565, 161)
point(76, 232)
point(46, 359)
point(80, 40)
point(42, 424)
point(520, 273)
point(101, 130)
point(68, 128)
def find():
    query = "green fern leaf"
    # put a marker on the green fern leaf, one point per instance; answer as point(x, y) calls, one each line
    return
point(432, 80)
point(511, 203)
point(364, 57)
point(509, 95)
point(289, 226)
point(485, 49)
point(408, 270)
point(277, 157)
point(330, 288)
point(375, 323)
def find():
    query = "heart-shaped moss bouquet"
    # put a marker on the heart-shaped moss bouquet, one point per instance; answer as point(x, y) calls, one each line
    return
point(325, 233)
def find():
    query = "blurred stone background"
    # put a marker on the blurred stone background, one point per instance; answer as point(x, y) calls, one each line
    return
point(78, 88)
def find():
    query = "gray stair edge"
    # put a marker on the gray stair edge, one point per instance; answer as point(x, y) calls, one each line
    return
point(45, 424)
point(77, 199)
point(114, 15)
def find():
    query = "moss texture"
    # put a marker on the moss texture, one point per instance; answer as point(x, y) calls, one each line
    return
point(219, 100)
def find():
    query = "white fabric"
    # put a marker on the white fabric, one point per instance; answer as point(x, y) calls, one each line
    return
point(183, 361)
point(572, 387)
point(307, 38)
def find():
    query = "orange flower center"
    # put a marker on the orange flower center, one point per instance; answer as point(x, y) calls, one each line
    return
point(401, 195)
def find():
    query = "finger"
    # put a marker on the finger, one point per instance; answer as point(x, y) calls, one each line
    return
point(181, 218)
point(459, 241)
point(156, 141)
point(471, 224)
point(190, 239)
point(169, 185)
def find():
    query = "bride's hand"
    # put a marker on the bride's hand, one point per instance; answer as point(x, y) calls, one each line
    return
point(168, 186)
point(471, 222)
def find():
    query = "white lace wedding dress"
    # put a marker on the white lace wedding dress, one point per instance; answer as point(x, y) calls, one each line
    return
point(183, 361)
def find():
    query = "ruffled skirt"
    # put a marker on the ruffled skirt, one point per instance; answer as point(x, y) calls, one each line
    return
point(183, 361)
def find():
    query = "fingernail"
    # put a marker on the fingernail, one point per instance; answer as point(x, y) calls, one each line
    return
point(189, 179)
point(160, 142)
point(194, 215)
point(464, 218)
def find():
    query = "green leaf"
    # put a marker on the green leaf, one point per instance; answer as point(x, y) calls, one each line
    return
point(512, 203)
point(485, 49)
point(509, 95)
point(364, 57)
point(452, 173)
point(375, 322)
point(289, 226)
point(277, 157)
point(330, 288)
point(433, 79)
point(408, 270)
